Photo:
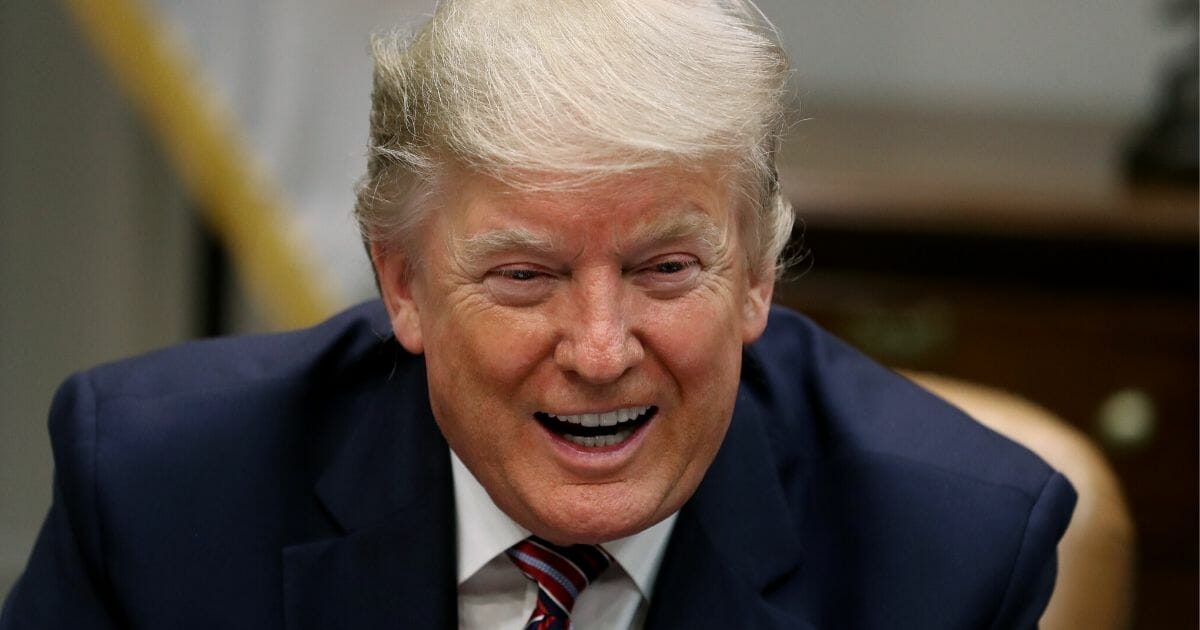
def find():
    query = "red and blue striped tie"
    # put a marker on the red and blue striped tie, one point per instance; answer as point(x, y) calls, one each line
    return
point(561, 574)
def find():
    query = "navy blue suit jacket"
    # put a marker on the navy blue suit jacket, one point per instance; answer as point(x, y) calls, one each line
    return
point(299, 481)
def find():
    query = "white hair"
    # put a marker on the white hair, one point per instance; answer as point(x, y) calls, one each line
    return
point(553, 94)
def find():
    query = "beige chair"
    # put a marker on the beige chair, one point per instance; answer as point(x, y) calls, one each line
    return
point(1095, 572)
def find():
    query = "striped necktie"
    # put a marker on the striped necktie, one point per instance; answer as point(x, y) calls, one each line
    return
point(561, 574)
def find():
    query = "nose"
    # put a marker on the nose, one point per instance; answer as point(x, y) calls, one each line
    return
point(598, 344)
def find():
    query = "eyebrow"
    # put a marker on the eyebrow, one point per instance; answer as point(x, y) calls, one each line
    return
point(693, 224)
point(472, 249)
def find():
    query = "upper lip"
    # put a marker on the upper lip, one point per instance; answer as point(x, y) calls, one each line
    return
point(602, 418)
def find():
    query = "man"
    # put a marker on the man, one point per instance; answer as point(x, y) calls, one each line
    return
point(574, 404)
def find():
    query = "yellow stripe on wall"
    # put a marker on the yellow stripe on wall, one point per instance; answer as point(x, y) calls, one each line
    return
point(236, 203)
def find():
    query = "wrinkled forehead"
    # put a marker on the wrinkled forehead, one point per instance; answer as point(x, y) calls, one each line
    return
point(669, 225)
point(661, 204)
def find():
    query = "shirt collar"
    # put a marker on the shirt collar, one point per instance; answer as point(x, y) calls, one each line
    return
point(484, 532)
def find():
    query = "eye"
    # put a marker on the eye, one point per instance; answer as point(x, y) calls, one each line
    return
point(673, 266)
point(519, 274)
point(669, 275)
point(519, 285)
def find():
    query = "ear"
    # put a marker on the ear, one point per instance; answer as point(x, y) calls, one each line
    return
point(757, 305)
point(396, 285)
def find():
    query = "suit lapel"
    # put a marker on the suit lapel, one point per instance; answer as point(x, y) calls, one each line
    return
point(395, 575)
point(734, 557)
point(389, 490)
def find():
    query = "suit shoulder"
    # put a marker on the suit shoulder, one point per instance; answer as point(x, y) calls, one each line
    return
point(223, 391)
point(834, 402)
point(900, 497)
point(233, 362)
point(252, 417)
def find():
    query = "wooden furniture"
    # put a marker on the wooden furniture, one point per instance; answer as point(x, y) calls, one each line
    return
point(1010, 251)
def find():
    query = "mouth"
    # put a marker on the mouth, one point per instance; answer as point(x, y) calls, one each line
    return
point(597, 430)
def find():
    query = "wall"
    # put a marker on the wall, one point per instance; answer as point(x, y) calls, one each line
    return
point(96, 248)
point(1074, 57)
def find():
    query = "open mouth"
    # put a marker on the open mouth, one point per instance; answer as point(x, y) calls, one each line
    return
point(596, 430)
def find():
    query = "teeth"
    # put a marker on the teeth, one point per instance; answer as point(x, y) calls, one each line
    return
point(607, 419)
point(602, 440)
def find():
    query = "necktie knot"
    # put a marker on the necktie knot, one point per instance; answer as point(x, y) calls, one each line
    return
point(561, 573)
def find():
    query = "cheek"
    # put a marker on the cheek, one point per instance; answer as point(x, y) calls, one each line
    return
point(694, 336)
point(703, 355)
point(700, 350)
point(488, 347)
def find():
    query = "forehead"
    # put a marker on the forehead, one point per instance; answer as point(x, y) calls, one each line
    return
point(661, 204)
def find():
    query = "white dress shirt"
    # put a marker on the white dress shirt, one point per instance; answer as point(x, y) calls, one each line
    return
point(492, 592)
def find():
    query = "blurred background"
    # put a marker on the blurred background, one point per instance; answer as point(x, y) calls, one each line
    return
point(999, 191)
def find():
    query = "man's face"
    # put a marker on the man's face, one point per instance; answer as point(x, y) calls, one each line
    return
point(583, 348)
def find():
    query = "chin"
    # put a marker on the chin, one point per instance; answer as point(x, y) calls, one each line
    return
point(574, 533)
point(595, 518)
